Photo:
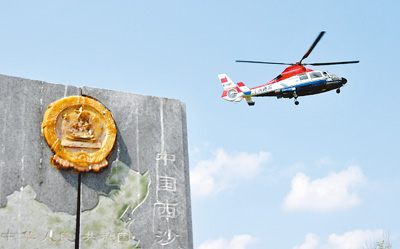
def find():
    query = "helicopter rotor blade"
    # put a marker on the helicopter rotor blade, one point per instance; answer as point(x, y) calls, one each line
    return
point(312, 46)
point(331, 63)
point(265, 62)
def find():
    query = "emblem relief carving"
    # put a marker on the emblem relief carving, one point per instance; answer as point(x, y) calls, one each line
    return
point(81, 132)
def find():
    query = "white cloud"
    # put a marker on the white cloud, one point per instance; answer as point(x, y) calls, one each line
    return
point(311, 242)
point(238, 242)
point(325, 194)
point(357, 239)
point(224, 171)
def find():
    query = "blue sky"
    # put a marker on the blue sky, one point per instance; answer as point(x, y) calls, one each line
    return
point(324, 174)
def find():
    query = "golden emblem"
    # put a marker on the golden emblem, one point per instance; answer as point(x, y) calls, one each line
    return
point(81, 132)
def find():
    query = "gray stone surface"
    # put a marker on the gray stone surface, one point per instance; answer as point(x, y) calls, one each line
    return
point(25, 156)
point(142, 200)
point(151, 138)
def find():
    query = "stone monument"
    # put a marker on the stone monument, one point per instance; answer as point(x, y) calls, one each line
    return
point(91, 168)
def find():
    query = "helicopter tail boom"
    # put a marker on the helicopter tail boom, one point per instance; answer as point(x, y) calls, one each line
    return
point(231, 92)
point(247, 93)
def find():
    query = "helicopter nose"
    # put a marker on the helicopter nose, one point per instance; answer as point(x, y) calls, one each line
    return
point(344, 81)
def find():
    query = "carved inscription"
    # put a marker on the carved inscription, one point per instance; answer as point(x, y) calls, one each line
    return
point(166, 208)
point(54, 237)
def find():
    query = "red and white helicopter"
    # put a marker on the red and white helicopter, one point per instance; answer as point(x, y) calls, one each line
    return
point(294, 81)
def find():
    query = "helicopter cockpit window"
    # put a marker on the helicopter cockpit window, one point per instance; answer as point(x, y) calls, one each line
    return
point(315, 75)
point(303, 76)
point(278, 77)
point(326, 74)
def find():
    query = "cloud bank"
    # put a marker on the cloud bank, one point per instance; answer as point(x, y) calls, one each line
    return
point(238, 242)
point(224, 171)
point(357, 239)
point(336, 191)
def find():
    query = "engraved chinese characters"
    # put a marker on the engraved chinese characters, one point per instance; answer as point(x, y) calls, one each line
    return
point(166, 208)
point(81, 132)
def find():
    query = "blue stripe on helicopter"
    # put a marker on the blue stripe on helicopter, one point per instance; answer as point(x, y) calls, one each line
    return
point(289, 89)
point(315, 83)
point(284, 85)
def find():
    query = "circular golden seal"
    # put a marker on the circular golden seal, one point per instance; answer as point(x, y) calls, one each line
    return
point(81, 132)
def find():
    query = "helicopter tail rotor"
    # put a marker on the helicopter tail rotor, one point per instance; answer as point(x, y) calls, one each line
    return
point(231, 92)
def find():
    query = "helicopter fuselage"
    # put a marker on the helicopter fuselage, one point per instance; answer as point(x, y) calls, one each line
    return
point(294, 81)
point(308, 83)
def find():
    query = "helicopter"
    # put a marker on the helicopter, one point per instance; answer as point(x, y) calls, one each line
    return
point(294, 81)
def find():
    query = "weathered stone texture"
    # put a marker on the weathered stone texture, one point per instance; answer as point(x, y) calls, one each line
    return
point(144, 193)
